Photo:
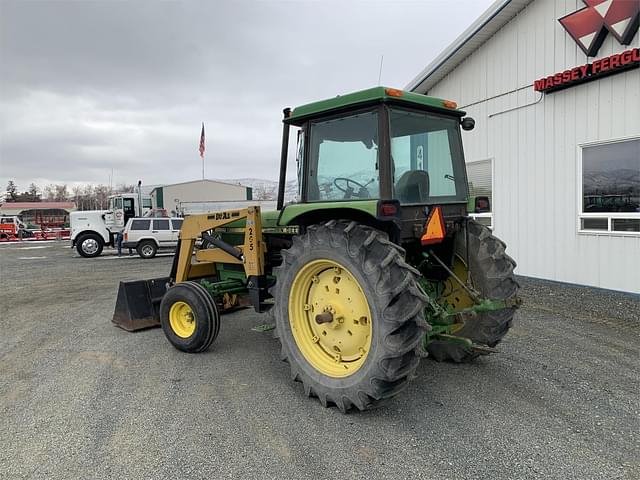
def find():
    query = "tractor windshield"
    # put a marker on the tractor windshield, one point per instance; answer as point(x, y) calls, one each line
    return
point(427, 160)
point(343, 159)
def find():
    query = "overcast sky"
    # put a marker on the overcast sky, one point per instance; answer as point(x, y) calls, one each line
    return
point(91, 86)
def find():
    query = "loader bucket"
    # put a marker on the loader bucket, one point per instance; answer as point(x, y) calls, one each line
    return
point(138, 303)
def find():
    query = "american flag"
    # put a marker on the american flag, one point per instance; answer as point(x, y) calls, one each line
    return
point(202, 142)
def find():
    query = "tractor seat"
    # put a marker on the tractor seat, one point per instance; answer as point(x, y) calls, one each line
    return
point(413, 187)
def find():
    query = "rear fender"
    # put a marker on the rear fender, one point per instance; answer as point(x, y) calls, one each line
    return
point(365, 213)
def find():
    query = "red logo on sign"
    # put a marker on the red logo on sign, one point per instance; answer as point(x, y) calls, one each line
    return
point(589, 26)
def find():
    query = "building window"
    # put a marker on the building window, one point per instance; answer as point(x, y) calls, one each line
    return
point(480, 177)
point(610, 188)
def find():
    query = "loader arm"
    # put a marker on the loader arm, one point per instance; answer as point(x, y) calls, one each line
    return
point(187, 266)
point(137, 305)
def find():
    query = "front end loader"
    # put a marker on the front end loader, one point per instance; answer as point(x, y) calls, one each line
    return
point(376, 265)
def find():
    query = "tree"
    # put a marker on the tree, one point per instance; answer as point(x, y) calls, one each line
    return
point(101, 194)
point(62, 193)
point(49, 193)
point(264, 192)
point(34, 193)
point(55, 193)
point(124, 188)
point(12, 191)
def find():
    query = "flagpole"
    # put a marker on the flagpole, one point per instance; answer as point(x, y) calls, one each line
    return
point(202, 149)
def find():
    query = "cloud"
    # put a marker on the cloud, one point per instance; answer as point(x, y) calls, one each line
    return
point(87, 87)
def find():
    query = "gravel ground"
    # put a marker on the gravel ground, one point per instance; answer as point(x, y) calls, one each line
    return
point(80, 398)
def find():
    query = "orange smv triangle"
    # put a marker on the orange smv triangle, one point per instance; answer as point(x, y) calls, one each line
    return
point(434, 230)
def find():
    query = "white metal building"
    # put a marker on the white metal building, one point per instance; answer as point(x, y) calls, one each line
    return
point(180, 197)
point(557, 137)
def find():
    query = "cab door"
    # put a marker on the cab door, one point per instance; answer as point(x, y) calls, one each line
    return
point(128, 209)
point(114, 218)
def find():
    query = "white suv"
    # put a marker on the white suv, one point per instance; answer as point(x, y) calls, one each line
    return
point(148, 235)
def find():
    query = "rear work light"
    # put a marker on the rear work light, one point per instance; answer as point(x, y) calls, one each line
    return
point(434, 230)
point(388, 209)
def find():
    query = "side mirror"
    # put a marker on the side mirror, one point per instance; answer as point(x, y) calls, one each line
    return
point(467, 123)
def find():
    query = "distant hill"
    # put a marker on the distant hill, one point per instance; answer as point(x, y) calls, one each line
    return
point(621, 181)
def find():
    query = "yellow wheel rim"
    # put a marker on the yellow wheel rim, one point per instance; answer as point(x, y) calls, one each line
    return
point(182, 320)
point(330, 318)
point(454, 295)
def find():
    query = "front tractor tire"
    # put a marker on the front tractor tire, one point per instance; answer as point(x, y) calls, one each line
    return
point(492, 276)
point(349, 314)
point(89, 245)
point(189, 317)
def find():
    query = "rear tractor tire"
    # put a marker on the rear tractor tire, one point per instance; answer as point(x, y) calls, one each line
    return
point(491, 275)
point(349, 314)
point(189, 317)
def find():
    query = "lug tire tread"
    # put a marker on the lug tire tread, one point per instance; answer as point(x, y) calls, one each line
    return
point(399, 307)
point(213, 319)
point(492, 274)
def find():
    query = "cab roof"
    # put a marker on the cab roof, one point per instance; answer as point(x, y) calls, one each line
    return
point(371, 96)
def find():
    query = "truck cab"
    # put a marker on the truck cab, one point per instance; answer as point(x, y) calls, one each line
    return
point(92, 230)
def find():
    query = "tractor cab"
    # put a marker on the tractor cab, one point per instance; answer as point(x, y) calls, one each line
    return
point(381, 145)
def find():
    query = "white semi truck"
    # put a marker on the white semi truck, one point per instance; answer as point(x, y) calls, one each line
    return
point(92, 230)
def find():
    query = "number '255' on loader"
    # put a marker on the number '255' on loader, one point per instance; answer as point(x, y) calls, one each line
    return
point(377, 265)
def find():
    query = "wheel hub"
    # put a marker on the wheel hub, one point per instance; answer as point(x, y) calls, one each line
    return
point(330, 318)
point(89, 246)
point(182, 319)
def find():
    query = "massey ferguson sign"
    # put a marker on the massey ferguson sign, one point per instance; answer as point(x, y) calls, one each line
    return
point(590, 71)
point(589, 27)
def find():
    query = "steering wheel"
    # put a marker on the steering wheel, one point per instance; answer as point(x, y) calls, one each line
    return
point(348, 191)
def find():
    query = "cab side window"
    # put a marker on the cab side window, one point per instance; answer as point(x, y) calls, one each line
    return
point(140, 224)
point(161, 224)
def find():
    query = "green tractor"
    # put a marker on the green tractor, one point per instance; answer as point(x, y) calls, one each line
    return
point(376, 265)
